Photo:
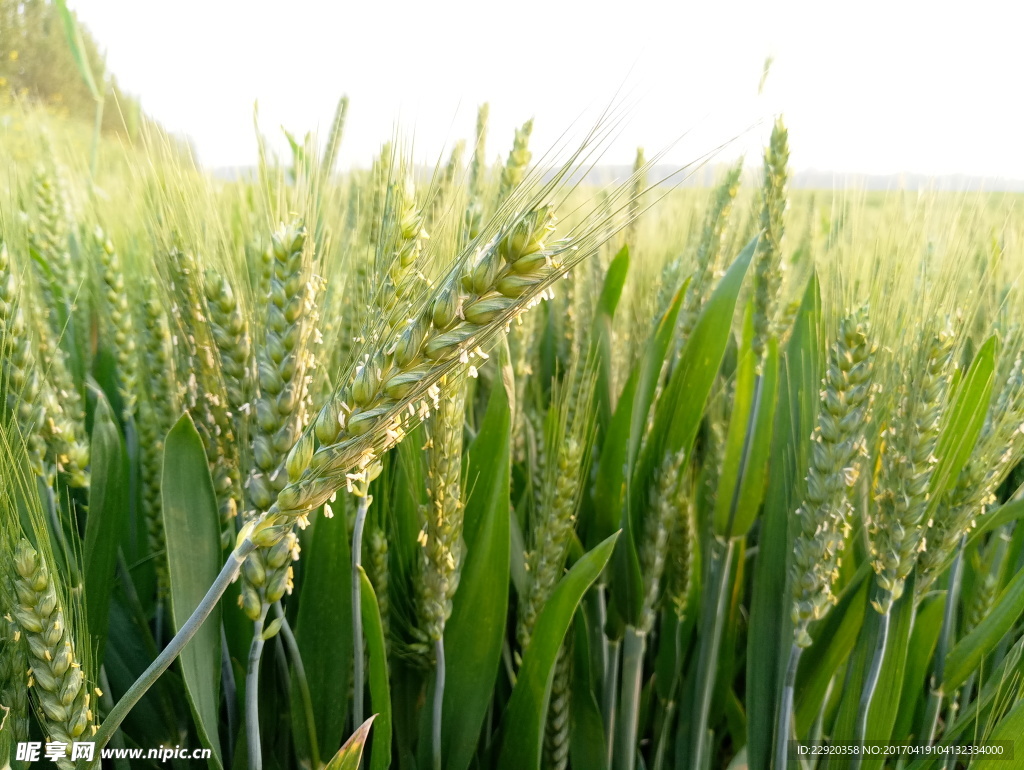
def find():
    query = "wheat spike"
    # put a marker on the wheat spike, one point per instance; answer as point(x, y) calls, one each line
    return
point(838, 439)
point(57, 681)
point(13, 682)
point(897, 529)
point(118, 315)
point(665, 504)
point(440, 560)
point(768, 264)
point(283, 361)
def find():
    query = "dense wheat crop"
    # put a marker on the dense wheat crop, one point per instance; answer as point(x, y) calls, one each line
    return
point(484, 467)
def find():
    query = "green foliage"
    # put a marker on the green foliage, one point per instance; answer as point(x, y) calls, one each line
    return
point(643, 517)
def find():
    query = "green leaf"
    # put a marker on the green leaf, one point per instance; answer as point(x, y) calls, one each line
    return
point(650, 370)
point(923, 640)
point(834, 639)
point(741, 484)
point(526, 712)
point(744, 385)
point(687, 391)
point(978, 712)
point(886, 699)
point(192, 533)
point(380, 689)
point(770, 635)
point(587, 747)
point(350, 755)
point(108, 516)
point(1010, 728)
point(323, 628)
point(964, 424)
point(625, 428)
point(610, 481)
point(1005, 514)
point(752, 488)
point(882, 716)
point(474, 633)
point(77, 45)
point(1009, 670)
point(969, 652)
point(627, 585)
point(601, 337)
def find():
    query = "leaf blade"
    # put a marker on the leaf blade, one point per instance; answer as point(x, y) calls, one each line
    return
point(192, 532)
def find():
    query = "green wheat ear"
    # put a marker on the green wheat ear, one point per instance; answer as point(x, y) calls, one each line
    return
point(477, 171)
point(666, 502)
point(48, 245)
point(53, 440)
point(565, 438)
point(158, 412)
point(13, 683)
point(56, 679)
point(514, 172)
point(838, 439)
point(897, 528)
point(997, 451)
point(768, 259)
point(231, 334)
point(709, 248)
point(283, 360)
point(118, 316)
point(440, 561)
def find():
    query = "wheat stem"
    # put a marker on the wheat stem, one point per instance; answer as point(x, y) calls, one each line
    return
point(661, 751)
point(436, 712)
point(935, 692)
point(359, 675)
point(633, 647)
point(711, 635)
point(610, 695)
point(252, 692)
point(867, 694)
point(782, 728)
point(174, 647)
point(300, 677)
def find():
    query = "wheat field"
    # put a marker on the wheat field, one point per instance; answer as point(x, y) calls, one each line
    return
point(485, 466)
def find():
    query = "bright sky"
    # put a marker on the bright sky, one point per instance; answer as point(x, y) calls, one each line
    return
point(875, 86)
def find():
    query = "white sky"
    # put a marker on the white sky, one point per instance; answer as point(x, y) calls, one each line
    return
point(867, 87)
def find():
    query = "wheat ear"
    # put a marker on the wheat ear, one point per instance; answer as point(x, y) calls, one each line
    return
point(56, 678)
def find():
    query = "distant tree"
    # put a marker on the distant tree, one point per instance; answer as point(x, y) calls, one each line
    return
point(36, 63)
